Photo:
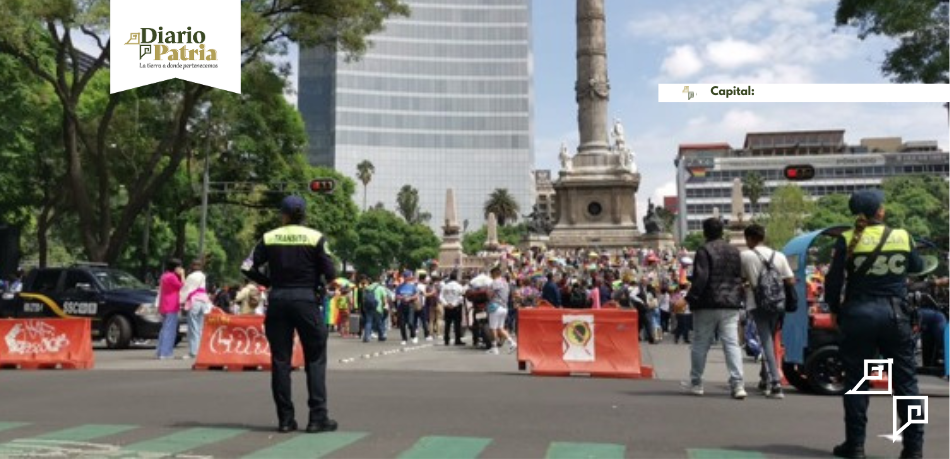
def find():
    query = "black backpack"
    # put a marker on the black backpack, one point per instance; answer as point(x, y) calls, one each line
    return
point(370, 302)
point(769, 290)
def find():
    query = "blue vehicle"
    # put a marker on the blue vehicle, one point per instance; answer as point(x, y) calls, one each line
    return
point(811, 362)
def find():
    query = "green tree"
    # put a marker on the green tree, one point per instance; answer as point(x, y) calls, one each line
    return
point(753, 185)
point(919, 205)
point(829, 210)
point(920, 28)
point(474, 241)
point(668, 218)
point(694, 240)
point(503, 205)
point(788, 209)
point(364, 172)
point(41, 37)
point(407, 205)
point(383, 240)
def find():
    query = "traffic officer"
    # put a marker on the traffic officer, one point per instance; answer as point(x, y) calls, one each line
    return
point(873, 262)
point(298, 265)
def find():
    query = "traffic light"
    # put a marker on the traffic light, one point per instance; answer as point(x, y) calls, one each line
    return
point(799, 173)
point(322, 185)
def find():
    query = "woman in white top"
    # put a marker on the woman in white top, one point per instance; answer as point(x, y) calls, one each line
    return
point(194, 297)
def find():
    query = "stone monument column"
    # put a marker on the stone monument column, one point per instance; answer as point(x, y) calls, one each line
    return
point(592, 87)
point(450, 253)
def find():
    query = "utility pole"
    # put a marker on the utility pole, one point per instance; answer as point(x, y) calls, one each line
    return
point(204, 191)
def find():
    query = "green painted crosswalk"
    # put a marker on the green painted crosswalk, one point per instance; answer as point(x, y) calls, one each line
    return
point(11, 425)
point(185, 440)
point(446, 448)
point(561, 450)
point(299, 446)
point(85, 432)
point(309, 446)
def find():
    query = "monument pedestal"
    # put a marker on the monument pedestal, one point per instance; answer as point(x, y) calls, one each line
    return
point(535, 240)
point(658, 241)
point(736, 235)
point(596, 205)
point(450, 252)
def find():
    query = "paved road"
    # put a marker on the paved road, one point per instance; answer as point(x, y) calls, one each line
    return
point(431, 401)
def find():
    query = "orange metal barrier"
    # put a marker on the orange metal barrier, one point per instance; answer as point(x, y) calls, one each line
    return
point(564, 342)
point(237, 343)
point(46, 343)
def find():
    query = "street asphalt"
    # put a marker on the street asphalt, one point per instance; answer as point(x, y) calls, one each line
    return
point(425, 401)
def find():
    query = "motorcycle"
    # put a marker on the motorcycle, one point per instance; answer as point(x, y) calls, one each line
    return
point(481, 332)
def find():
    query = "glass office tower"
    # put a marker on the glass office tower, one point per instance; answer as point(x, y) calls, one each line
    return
point(443, 98)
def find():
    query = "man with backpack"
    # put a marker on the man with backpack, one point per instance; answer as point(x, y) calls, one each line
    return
point(766, 273)
point(373, 300)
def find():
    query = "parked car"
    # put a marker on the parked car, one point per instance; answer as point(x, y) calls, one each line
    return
point(121, 307)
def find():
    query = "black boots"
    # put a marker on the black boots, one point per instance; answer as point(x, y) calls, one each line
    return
point(327, 425)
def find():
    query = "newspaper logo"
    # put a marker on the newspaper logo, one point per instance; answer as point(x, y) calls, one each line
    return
point(918, 413)
point(578, 335)
point(203, 47)
point(689, 94)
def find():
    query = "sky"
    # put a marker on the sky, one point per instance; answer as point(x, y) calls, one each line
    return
point(704, 41)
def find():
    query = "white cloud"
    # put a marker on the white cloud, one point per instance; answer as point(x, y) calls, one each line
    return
point(731, 53)
point(682, 62)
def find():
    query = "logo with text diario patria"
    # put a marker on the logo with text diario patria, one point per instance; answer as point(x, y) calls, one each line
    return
point(159, 43)
point(163, 44)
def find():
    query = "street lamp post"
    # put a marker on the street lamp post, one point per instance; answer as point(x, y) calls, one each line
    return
point(204, 192)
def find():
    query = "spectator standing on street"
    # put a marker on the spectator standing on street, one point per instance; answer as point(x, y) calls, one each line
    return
point(716, 301)
point(497, 312)
point(433, 307)
point(451, 299)
point(664, 299)
point(754, 262)
point(550, 292)
point(249, 298)
point(422, 311)
point(169, 304)
point(374, 298)
point(194, 297)
point(407, 302)
point(299, 267)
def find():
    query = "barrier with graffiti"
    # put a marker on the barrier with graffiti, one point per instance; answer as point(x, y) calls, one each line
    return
point(46, 343)
point(237, 343)
point(595, 342)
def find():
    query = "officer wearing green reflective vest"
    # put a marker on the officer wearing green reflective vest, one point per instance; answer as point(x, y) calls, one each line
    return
point(298, 268)
point(871, 262)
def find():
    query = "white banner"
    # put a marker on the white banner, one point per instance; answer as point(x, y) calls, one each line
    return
point(738, 92)
point(153, 41)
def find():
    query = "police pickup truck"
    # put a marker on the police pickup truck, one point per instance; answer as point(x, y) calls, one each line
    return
point(121, 307)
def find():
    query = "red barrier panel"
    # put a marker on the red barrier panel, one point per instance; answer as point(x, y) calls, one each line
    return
point(46, 343)
point(237, 343)
point(563, 342)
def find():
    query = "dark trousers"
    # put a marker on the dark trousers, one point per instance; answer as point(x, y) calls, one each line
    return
point(423, 316)
point(512, 320)
point(684, 323)
point(876, 327)
point(373, 324)
point(283, 318)
point(665, 320)
point(407, 318)
point(453, 318)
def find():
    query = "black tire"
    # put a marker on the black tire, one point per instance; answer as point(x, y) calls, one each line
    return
point(118, 332)
point(825, 371)
point(489, 336)
point(795, 375)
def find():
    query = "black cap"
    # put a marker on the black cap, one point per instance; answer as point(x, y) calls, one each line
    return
point(292, 205)
point(866, 202)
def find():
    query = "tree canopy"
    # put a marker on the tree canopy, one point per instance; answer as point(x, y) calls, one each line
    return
point(789, 207)
point(920, 28)
point(503, 205)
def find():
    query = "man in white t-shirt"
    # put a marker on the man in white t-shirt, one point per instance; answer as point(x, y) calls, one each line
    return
point(766, 322)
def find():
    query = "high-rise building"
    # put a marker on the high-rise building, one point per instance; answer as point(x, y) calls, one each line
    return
point(544, 195)
point(705, 172)
point(443, 98)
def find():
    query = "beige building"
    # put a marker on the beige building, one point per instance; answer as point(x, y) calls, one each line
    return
point(544, 194)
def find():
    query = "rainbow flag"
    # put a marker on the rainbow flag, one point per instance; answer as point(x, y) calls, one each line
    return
point(697, 171)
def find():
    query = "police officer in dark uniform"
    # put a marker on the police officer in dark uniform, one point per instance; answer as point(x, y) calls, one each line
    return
point(874, 318)
point(298, 264)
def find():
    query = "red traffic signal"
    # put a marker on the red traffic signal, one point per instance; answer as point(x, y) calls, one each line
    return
point(799, 173)
point(322, 185)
